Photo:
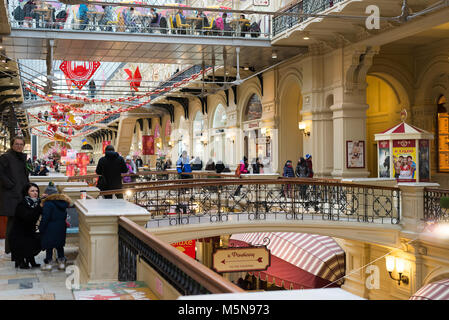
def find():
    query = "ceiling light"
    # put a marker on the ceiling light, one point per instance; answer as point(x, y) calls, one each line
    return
point(306, 38)
point(274, 55)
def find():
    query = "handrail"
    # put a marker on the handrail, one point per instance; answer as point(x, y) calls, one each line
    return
point(197, 271)
point(147, 173)
point(300, 181)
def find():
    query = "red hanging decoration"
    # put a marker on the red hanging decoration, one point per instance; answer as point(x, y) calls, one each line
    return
point(135, 79)
point(79, 72)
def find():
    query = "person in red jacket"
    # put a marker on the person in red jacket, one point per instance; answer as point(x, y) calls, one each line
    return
point(309, 165)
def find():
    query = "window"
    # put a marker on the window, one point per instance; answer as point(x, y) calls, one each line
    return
point(253, 109)
point(198, 123)
point(219, 117)
point(443, 136)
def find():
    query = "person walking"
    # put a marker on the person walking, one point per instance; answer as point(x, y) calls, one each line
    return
point(53, 229)
point(288, 173)
point(183, 165)
point(257, 167)
point(242, 168)
point(110, 168)
point(128, 179)
point(309, 165)
point(24, 241)
point(302, 171)
point(13, 178)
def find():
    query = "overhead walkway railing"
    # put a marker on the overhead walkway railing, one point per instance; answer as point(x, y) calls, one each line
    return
point(184, 274)
point(119, 19)
point(280, 199)
point(285, 22)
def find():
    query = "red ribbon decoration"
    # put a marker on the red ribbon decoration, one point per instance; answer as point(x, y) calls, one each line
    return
point(135, 79)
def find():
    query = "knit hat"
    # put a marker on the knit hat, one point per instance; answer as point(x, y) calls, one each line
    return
point(308, 156)
point(51, 189)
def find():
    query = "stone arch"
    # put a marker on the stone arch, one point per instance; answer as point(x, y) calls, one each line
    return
point(250, 89)
point(436, 72)
point(289, 108)
point(439, 273)
point(218, 99)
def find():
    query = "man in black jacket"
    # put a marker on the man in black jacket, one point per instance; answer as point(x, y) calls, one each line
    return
point(13, 178)
point(110, 168)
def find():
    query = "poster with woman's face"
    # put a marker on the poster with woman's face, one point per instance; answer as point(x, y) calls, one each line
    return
point(384, 159)
point(355, 154)
point(404, 160)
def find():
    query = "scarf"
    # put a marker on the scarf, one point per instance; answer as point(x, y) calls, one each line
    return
point(32, 202)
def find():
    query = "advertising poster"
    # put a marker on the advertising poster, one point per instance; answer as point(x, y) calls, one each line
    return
point(105, 144)
point(384, 159)
point(404, 160)
point(188, 247)
point(424, 161)
point(355, 154)
point(148, 145)
point(70, 170)
point(82, 160)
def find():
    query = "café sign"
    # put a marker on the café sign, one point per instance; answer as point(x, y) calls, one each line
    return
point(241, 259)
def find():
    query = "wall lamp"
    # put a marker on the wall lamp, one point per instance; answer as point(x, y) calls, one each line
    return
point(303, 127)
point(391, 262)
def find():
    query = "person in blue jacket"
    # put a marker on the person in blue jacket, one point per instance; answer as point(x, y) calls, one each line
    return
point(82, 16)
point(53, 228)
point(183, 165)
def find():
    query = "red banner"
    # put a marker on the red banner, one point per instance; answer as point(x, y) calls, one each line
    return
point(79, 72)
point(188, 247)
point(148, 145)
point(105, 144)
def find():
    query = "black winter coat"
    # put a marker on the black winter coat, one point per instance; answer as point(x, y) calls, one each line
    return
point(53, 225)
point(111, 167)
point(302, 170)
point(13, 178)
point(23, 239)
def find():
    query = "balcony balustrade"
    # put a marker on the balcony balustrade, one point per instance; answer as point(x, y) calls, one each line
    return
point(56, 17)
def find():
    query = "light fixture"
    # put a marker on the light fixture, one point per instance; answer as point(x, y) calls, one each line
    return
point(302, 126)
point(306, 38)
point(246, 68)
point(400, 264)
point(129, 193)
point(274, 55)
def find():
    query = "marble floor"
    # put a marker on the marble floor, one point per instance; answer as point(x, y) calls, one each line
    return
point(33, 284)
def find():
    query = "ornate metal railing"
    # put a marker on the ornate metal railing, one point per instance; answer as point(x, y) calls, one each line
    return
point(282, 199)
point(282, 22)
point(432, 209)
point(186, 275)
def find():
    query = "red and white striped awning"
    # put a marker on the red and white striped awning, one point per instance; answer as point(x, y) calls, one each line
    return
point(403, 131)
point(433, 291)
point(318, 255)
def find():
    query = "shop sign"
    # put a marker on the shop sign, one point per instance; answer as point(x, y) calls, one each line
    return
point(253, 125)
point(188, 247)
point(241, 259)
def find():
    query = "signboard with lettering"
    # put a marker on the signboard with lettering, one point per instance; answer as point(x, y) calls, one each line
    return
point(241, 259)
point(188, 247)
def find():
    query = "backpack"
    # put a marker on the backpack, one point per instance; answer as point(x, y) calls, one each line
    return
point(237, 171)
point(255, 30)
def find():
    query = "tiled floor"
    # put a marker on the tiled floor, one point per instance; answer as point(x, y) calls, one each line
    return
point(33, 284)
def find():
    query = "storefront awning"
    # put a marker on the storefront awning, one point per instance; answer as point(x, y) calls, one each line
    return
point(315, 256)
point(433, 291)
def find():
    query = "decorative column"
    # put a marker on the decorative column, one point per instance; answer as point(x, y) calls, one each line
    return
point(98, 232)
point(323, 143)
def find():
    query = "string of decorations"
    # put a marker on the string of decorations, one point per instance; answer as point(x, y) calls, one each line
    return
point(75, 126)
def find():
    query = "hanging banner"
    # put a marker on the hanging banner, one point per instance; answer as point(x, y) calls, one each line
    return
point(105, 144)
point(70, 170)
point(384, 159)
point(404, 160)
point(188, 247)
point(157, 131)
point(134, 80)
point(148, 145)
point(79, 72)
point(168, 128)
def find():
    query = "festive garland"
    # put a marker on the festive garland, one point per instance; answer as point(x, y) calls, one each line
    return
point(109, 101)
point(70, 126)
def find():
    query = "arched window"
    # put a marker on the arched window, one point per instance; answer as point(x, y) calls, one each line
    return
point(253, 109)
point(219, 117)
point(198, 123)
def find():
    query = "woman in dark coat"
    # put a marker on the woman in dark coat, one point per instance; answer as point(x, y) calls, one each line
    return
point(24, 241)
point(302, 170)
point(53, 228)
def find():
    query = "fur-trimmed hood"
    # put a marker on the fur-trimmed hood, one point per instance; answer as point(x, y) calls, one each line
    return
point(58, 196)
